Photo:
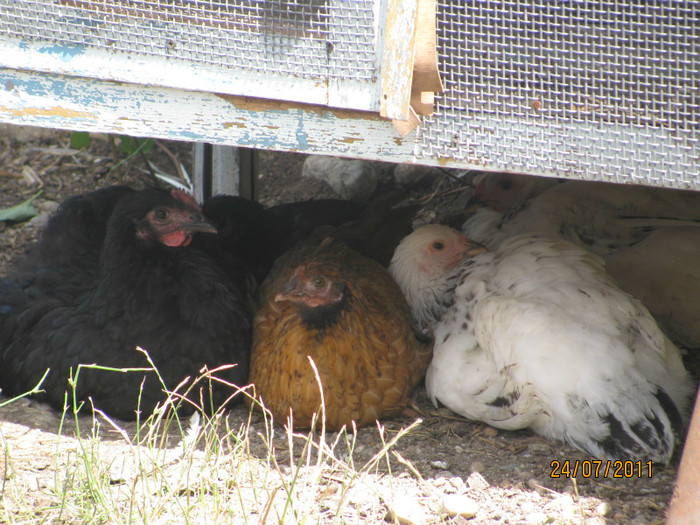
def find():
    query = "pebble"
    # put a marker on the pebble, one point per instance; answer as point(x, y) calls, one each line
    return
point(39, 221)
point(439, 465)
point(489, 431)
point(477, 466)
point(534, 484)
point(476, 481)
point(405, 510)
point(47, 206)
point(440, 482)
point(603, 509)
point(459, 505)
point(539, 449)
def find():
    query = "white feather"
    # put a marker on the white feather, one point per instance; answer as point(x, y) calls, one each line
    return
point(539, 336)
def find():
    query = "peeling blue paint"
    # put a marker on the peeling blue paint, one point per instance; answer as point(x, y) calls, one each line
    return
point(67, 53)
point(302, 138)
point(187, 135)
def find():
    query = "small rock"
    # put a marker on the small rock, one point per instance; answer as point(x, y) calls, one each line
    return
point(47, 206)
point(477, 466)
point(619, 517)
point(490, 431)
point(350, 179)
point(534, 484)
point(405, 510)
point(539, 449)
point(476, 481)
point(39, 221)
point(603, 509)
point(459, 505)
point(439, 465)
point(458, 483)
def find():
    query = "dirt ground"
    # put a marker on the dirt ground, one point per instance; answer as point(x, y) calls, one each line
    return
point(509, 475)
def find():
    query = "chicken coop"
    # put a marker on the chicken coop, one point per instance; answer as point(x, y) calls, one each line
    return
point(583, 90)
point(591, 90)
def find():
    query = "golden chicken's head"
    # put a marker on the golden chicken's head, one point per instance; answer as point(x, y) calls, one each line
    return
point(319, 296)
point(311, 286)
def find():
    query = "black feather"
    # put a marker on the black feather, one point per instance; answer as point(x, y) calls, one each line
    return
point(174, 302)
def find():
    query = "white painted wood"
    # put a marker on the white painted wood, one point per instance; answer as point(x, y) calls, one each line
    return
point(104, 63)
point(160, 71)
point(56, 101)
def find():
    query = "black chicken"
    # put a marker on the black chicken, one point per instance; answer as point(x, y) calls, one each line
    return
point(259, 235)
point(149, 288)
point(66, 256)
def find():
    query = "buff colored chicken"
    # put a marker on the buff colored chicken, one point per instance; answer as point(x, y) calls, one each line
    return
point(324, 302)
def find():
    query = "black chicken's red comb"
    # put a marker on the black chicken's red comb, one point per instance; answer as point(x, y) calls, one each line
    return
point(184, 197)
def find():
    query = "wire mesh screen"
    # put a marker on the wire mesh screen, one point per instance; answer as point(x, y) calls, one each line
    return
point(318, 39)
point(599, 90)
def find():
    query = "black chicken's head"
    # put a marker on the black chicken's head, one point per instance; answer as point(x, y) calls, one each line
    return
point(170, 218)
point(155, 217)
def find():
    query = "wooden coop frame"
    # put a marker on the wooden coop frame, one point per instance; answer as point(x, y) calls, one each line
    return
point(580, 90)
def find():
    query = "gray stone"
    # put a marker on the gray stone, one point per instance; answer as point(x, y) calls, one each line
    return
point(47, 206)
point(350, 179)
point(439, 465)
point(539, 449)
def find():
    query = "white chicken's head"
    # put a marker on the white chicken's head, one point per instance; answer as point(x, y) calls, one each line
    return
point(426, 265)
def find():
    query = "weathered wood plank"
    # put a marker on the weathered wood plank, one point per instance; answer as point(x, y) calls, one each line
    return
point(398, 53)
point(56, 101)
point(159, 71)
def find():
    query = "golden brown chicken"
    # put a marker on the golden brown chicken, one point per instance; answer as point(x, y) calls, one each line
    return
point(326, 302)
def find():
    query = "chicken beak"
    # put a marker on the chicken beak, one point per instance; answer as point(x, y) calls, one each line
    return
point(472, 248)
point(469, 248)
point(289, 290)
point(199, 224)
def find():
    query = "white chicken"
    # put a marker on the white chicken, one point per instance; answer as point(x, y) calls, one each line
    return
point(536, 335)
point(649, 237)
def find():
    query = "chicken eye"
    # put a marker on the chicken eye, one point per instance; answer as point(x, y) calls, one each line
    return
point(438, 245)
point(162, 213)
point(319, 282)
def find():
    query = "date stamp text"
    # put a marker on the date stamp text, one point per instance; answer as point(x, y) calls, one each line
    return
point(596, 468)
